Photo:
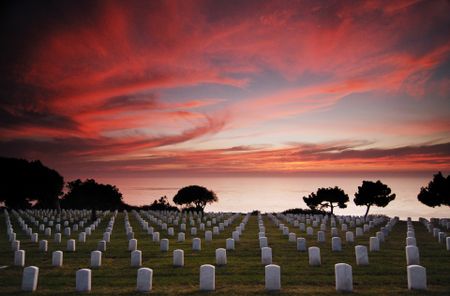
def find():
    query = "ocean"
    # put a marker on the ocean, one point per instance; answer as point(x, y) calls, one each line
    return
point(275, 194)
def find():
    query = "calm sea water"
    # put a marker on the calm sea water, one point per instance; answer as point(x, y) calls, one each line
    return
point(269, 194)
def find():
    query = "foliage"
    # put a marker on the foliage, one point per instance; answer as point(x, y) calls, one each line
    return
point(327, 198)
point(92, 195)
point(162, 204)
point(195, 196)
point(22, 182)
point(304, 211)
point(437, 192)
point(373, 194)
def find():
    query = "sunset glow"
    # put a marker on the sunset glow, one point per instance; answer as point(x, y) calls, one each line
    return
point(227, 87)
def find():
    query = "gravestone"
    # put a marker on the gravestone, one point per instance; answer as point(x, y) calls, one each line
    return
point(181, 237)
point(30, 278)
point(417, 277)
point(196, 244)
point(350, 237)
point(164, 245)
point(144, 279)
point(43, 245)
point(336, 245)
point(412, 255)
point(266, 255)
point(101, 246)
point(178, 258)
point(96, 259)
point(57, 258)
point(207, 277)
point(301, 244)
point(136, 258)
point(230, 244)
point(221, 256)
point(83, 280)
point(132, 244)
point(343, 277)
point(374, 244)
point(314, 256)
point(272, 277)
point(263, 242)
point(362, 257)
point(19, 258)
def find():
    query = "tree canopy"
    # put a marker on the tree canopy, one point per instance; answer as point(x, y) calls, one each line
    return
point(373, 194)
point(195, 196)
point(437, 192)
point(162, 204)
point(330, 197)
point(92, 195)
point(23, 182)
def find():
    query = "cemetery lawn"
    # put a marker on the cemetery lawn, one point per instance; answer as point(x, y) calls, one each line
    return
point(243, 275)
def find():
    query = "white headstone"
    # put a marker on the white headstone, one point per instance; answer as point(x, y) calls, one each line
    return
point(263, 242)
point(164, 245)
point(43, 245)
point(132, 244)
point(82, 237)
point(412, 255)
point(321, 236)
point(301, 244)
point(272, 277)
point(314, 256)
point(96, 259)
point(30, 278)
point(362, 257)
point(374, 244)
point(83, 280)
point(235, 235)
point(57, 258)
point(208, 235)
point(207, 277)
point(71, 247)
point(417, 277)
point(292, 237)
point(196, 244)
point(230, 244)
point(155, 236)
point(101, 246)
point(336, 245)
point(107, 237)
point(266, 255)
point(136, 258)
point(178, 258)
point(181, 237)
point(19, 258)
point(57, 238)
point(349, 237)
point(411, 241)
point(343, 277)
point(144, 279)
point(221, 256)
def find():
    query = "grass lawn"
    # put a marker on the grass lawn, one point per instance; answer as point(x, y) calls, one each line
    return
point(243, 275)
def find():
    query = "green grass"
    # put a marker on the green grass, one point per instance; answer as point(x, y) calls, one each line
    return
point(243, 275)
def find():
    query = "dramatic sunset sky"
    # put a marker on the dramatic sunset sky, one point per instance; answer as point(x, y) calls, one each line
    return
point(228, 88)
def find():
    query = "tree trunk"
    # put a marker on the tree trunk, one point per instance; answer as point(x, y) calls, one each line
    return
point(367, 212)
point(331, 206)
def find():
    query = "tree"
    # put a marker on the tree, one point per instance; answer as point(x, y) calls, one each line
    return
point(92, 195)
point(373, 194)
point(437, 192)
point(23, 182)
point(162, 204)
point(327, 198)
point(195, 195)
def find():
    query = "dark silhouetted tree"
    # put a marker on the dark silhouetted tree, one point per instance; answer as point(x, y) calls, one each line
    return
point(23, 182)
point(373, 194)
point(195, 196)
point(437, 192)
point(162, 204)
point(327, 198)
point(92, 195)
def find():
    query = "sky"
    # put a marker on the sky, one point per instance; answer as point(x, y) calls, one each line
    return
point(226, 88)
